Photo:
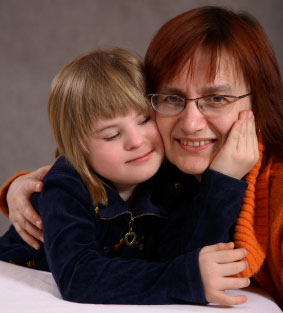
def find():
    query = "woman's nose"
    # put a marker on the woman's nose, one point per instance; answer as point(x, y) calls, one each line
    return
point(191, 119)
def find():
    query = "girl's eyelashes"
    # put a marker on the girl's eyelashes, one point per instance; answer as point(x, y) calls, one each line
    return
point(145, 120)
point(112, 137)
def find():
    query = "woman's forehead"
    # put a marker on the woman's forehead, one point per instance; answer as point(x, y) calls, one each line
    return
point(223, 75)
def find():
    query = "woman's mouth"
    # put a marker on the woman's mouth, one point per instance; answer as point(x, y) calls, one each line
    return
point(195, 145)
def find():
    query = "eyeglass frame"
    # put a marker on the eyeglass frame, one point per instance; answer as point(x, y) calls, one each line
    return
point(195, 100)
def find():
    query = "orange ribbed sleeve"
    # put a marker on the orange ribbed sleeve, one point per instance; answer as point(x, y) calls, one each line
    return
point(246, 234)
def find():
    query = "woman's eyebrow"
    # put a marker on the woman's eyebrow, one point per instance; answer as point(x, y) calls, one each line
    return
point(172, 91)
point(215, 89)
point(205, 90)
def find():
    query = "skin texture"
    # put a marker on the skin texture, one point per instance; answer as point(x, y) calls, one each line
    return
point(23, 216)
point(126, 150)
point(217, 264)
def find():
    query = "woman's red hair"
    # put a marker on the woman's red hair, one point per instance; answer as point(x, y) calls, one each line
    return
point(216, 29)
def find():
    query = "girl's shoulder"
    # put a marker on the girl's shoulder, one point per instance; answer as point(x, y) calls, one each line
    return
point(61, 167)
point(62, 176)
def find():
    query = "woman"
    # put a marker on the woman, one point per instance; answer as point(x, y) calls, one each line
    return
point(205, 68)
point(212, 51)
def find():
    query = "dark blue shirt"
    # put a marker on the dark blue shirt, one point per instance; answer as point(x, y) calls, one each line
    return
point(172, 218)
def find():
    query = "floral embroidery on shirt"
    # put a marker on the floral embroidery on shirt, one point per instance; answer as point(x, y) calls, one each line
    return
point(118, 246)
point(31, 263)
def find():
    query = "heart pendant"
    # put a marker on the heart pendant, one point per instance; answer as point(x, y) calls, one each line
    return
point(130, 238)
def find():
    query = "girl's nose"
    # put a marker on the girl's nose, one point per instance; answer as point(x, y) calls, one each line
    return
point(135, 139)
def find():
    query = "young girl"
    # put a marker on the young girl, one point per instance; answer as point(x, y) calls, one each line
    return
point(111, 226)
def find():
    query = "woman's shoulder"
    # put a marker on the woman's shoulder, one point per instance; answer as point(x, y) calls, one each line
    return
point(276, 185)
point(276, 173)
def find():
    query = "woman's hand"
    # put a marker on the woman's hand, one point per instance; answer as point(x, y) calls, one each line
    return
point(217, 264)
point(240, 153)
point(21, 214)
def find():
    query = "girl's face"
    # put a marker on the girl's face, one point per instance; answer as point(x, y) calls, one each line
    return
point(192, 140)
point(126, 150)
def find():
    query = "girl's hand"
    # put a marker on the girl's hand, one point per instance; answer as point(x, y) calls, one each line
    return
point(217, 264)
point(240, 153)
point(22, 215)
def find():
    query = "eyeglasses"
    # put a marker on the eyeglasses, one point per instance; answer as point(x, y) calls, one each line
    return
point(209, 106)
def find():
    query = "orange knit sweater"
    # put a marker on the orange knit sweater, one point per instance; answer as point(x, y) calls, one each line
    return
point(259, 227)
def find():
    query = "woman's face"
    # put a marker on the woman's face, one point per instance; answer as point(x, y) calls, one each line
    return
point(191, 140)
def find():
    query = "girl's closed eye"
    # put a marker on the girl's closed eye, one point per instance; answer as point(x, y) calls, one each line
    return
point(145, 120)
point(112, 137)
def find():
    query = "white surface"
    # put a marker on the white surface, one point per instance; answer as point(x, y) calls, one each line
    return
point(26, 290)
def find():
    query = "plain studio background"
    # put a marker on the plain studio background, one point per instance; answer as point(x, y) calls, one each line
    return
point(38, 37)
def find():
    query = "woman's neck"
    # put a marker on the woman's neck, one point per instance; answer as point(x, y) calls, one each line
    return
point(198, 177)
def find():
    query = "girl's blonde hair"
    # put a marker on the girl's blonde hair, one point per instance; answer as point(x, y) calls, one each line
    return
point(97, 84)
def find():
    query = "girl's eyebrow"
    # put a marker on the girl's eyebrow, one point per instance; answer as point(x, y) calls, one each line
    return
point(99, 130)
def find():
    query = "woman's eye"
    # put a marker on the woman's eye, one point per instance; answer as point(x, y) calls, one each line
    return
point(112, 137)
point(218, 99)
point(173, 99)
point(145, 120)
point(214, 101)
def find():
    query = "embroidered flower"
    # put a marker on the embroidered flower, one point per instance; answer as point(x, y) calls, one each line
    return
point(117, 247)
point(31, 263)
point(106, 249)
point(177, 185)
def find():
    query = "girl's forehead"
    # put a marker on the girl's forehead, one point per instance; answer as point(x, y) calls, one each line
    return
point(131, 114)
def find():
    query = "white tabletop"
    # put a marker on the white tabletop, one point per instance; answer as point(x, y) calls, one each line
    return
point(24, 290)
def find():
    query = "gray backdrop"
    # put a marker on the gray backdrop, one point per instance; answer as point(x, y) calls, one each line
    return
point(38, 37)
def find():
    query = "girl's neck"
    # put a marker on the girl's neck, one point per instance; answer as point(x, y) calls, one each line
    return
point(126, 192)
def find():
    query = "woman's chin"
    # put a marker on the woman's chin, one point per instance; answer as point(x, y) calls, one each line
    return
point(193, 169)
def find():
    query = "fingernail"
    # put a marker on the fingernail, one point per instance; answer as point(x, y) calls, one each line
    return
point(41, 238)
point(245, 251)
point(37, 186)
point(36, 247)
